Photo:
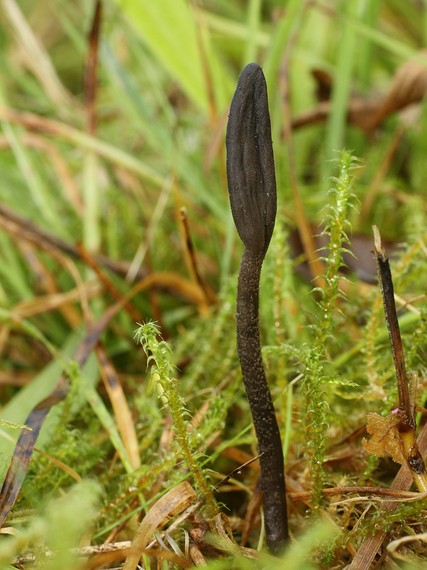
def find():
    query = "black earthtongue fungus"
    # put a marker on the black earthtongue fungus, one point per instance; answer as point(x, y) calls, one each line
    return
point(252, 191)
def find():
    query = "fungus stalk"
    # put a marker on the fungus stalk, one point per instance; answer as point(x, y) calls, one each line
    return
point(252, 192)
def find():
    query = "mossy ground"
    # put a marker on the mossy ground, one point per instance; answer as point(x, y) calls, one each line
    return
point(119, 441)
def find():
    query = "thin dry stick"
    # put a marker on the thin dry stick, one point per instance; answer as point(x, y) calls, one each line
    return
point(406, 419)
point(191, 260)
point(412, 470)
point(387, 290)
point(92, 68)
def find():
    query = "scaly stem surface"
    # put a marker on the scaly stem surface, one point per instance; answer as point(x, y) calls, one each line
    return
point(258, 393)
point(252, 190)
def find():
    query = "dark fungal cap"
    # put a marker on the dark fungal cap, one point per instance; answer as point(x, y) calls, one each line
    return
point(250, 161)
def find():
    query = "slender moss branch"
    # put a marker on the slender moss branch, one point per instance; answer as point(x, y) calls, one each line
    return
point(162, 372)
point(316, 354)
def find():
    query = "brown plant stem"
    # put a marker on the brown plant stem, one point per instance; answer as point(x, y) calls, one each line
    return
point(406, 411)
point(367, 551)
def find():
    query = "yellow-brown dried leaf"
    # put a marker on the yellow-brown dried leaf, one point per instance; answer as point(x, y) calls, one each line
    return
point(385, 438)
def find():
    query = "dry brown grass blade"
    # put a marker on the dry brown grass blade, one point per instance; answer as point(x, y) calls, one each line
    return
point(192, 264)
point(104, 555)
point(105, 560)
point(36, 58)
point(170, 282)
point(60, 465)
point(371, 492)
point(23, 229)
point(54, 301)
point(91, 68)
point(360, 112)
point(252, 513)
point(172, 503)
point(24, 448)
point(31, 240)
point(122, 414)
point(46, 280)
point(408, 86)
point(61, 169)
point(13, 378)
point(107, 283)
point(23, 451)
point(393, 547)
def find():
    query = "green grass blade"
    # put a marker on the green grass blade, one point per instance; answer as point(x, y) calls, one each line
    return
point(250, 53)
point(100, 409)
point(342, 84)
point(278, 45)
point(92, 203)
point(30, 173)
point(169, 29)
